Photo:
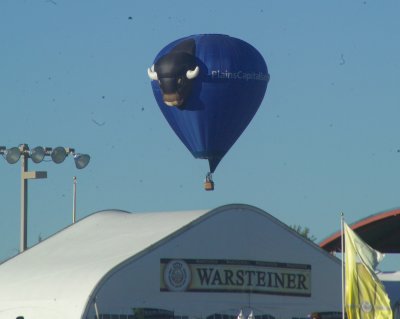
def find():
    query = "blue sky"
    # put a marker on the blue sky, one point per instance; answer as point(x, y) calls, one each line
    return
point(325, 139)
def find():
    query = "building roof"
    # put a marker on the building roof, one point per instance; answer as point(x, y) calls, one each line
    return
point(380, 231)
point(77, 258)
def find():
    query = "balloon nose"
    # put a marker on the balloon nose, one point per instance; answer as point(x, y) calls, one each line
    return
point(173, 99)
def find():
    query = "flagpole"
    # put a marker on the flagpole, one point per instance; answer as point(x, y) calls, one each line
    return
point(343, 283)
point(365, 295)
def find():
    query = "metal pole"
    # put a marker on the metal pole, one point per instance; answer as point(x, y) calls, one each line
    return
point(74, 202)
point(24, 203)
point(343, 270)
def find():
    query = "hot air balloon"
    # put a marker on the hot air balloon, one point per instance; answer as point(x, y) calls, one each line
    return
point(209, 87)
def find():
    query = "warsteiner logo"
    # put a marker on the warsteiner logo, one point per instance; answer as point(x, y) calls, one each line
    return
point(177, 275)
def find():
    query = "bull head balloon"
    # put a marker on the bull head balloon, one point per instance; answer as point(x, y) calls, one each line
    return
point(175, 72)
point(217, 84)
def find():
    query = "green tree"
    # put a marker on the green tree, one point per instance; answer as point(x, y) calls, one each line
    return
point(305, 232)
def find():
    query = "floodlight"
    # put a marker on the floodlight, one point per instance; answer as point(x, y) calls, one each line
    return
point(37, 154)
point(58, 154)
point(81, 160)
point(12, 155)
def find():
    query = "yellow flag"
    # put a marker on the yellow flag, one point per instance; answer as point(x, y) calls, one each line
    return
point(365, 296)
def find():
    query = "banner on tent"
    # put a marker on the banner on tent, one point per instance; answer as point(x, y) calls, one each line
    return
point(201, 275)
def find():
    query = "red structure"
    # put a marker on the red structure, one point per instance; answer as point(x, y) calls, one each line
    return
point(381, 231)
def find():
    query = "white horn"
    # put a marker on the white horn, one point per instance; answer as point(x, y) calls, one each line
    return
point(152, 74)
point(191, 74)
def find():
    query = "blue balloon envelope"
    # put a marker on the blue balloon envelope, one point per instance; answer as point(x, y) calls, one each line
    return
point(209, 87)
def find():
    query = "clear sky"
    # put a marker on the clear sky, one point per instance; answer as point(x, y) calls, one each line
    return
point(325, 139)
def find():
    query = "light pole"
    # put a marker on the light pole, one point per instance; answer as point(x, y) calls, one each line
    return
point(74, 201)
point(37, 155)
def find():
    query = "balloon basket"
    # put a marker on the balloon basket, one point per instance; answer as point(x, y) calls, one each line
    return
point(209, 185)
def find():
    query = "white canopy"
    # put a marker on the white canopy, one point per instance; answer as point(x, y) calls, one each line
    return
point(60, 273)
point(60, 277)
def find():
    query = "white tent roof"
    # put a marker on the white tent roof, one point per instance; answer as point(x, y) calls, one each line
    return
point(60, 273)
point(389, 276)
point(58, 277)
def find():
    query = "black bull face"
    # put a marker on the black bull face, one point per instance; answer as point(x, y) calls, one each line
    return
point(175, 72)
